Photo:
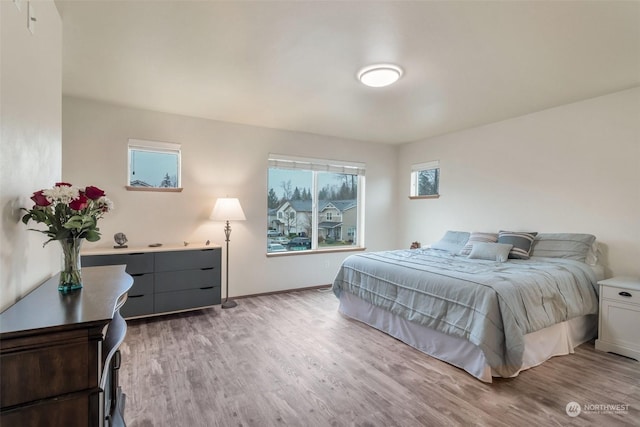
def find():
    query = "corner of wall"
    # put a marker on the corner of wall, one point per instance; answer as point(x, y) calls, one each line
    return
point(30, 156)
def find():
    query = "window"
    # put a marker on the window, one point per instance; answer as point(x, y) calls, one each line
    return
point(154, 166)
point(315, 204)
point(425, 180)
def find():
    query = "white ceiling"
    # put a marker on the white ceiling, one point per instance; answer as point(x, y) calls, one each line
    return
point(292, 65)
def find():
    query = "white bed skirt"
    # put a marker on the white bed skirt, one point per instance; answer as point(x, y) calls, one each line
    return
point(555, 340)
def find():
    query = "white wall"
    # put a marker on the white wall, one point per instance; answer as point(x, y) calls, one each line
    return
point(574, 168)
point(218, 160)
point(30, 143)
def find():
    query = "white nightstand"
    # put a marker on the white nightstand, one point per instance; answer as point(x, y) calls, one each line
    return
point(619, 323)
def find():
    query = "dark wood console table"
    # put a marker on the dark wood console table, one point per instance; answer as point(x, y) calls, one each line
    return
point(59, 353)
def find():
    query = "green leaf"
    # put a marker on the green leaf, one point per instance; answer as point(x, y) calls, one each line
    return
point(92, 236)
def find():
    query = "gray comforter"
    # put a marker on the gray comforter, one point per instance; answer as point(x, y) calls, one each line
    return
point(491, 304)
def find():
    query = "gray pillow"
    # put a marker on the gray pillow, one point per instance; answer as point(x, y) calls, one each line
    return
point(490, 251)
point(575, 246)
point(452, 241)
point(521, 241)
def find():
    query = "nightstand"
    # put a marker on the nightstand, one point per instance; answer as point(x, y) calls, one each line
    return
point(619, 322)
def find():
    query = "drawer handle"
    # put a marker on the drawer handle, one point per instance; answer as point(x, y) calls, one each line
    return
point(137, 253)
point(135, 296)
point(137, 274)
point(207, 287)
point(624, 294)
point(204, 250)
point(207, 268)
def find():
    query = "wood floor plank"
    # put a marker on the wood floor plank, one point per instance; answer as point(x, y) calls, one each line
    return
point(292, 359)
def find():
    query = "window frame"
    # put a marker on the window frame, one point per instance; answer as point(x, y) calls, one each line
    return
point(316, 166)
point(141, 145)
point(416, 169)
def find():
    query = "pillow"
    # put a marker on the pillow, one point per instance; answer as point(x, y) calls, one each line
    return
point(478, 237)
point(521, 242)
point(452, 241)
point(573, 246)
point(593, 254)
point(490, 251)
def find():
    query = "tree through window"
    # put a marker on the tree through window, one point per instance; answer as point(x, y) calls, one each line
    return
point(425, 180)
point(313, 204)
point(153, 165)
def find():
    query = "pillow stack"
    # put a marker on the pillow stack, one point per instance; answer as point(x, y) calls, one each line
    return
point(521, 245)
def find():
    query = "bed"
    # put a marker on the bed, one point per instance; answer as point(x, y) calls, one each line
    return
point(493, 304)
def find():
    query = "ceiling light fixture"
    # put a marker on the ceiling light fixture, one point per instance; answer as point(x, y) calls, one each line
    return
point(380, 75)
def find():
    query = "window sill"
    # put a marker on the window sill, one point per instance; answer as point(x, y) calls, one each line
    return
point(157, 189)
point(433, 196)
point(315, 252)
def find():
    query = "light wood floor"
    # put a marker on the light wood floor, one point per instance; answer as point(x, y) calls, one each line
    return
point(292, 359)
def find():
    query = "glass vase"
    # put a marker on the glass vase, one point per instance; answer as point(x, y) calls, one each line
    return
point(70, 276)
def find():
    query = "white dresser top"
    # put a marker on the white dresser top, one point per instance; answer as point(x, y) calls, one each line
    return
point(138, 249)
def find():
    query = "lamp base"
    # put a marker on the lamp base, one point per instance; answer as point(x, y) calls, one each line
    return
point(229, 304)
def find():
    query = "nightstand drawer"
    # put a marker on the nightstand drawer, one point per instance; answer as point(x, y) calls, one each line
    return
point(619, 324)
point(618, 330)
point(629, 296)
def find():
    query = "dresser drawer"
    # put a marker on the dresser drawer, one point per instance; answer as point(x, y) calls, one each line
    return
point(187, 279)
point(189, 299)
point(136, 262)
point(138, 305)
point(142, 284)
point(629, 296)
point(54, 368)
point(187, 260)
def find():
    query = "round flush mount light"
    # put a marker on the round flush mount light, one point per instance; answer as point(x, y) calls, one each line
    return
point(380, 75)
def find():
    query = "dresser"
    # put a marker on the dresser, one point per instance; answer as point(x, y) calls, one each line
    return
point(619, 322)
point(166, 279)
point(59, 353)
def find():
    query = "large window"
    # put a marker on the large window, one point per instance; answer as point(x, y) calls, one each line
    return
point(154, 166)
point(425, 180)
point(313, 204)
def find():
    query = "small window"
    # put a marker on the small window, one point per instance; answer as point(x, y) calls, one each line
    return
point(425, 180)
point(154, 166)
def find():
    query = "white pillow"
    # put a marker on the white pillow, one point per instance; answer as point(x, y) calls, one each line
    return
point(490, 251)
point(476, 237)
point(452, 241)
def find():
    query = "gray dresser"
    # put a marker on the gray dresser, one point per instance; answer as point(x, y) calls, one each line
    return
point(166, 279)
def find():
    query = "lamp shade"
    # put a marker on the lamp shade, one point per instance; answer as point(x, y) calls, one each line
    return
point(227, 209)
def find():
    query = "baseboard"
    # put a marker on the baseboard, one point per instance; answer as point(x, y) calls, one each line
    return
point(285, 291)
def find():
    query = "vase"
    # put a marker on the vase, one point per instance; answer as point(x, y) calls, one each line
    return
point(70, 276)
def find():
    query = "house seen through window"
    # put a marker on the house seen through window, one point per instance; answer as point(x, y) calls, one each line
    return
point(313, 204)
